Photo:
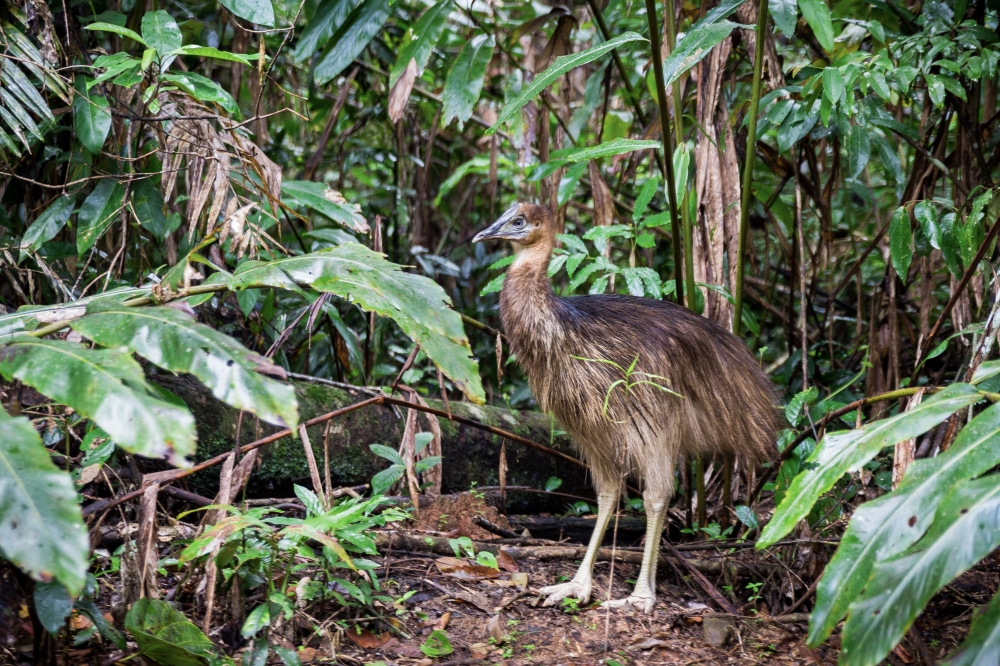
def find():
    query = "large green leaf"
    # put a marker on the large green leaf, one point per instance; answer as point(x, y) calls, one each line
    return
point(465, 79)
point(859, 150)
point(901, 242)
point(107, 386)
point(118, 30)
point(161, 32)
point(966, 529)
point(167, 637)
point(97, 213)
point(890, 524)
point(784, 13)
point(328, 17)
point(693, 47)
point(203, 89)
point(982, 646)
point(260, 12)
point(41, 528)
point(47, 225)
point(416, 303)
point(817, 15)
point(322, 199)
point(846, 451)
point(351, 38)
point(91, 118)
point(606, 149)
point(147, 202)
point(424, 34)
point(560, 66)
point(174, 340)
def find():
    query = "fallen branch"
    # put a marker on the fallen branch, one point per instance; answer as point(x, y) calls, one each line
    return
point(705, 584)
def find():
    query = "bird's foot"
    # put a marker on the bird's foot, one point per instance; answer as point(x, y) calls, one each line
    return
point(576, 589)
point(642, 602)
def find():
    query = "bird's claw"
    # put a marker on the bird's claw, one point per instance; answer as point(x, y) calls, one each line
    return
point(643, 603)
point(579, 590)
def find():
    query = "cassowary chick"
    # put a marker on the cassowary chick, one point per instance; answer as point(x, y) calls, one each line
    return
point(694, 388)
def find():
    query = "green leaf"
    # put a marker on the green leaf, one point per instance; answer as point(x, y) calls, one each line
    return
point(288, 656)
point(552, 484)
point(560, 66)
point(260, 12)
point(118, 30)
point(693, 47)
point(97, 213)
point(888, 525)
point(784, 13)
point(384, 480)
point(936, 89)
point(859, 150)
point(846, 451)
point(465, 79)
point(173, 340)
point(203, 89)
point(982, 646)
point(747, 516)
point(817, 15)
point(91, 118)
point(322, 199)
point(53, 605)
point(966, 528)
point(606, 149)
point(47, 225)
point(259, 618)
point(901, 242)
point(107, 386)
point(41, 528)
point(351, 38)
point(951, 244)
point(926, 215)
point(646, 194)
point(417, 304)
point(329, 15)
point(833, 84)
point(387, 452)
point(161, 32)
point(212, 52)
point(147, 202)
point(437, 644)
point(164, 635)
point(424, 35)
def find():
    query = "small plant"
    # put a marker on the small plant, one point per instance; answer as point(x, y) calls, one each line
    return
point(570, 605)
point(754, 592)
point(579, 508)
point(384, 480)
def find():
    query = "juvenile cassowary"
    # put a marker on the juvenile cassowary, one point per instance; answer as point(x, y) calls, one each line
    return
point(694, 388)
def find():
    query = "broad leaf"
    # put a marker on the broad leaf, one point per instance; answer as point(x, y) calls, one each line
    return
point(833, 84)
point(107, 386)
point(424, 35)
point(174, 340)
point(606, 149)
point(203, 89)
point(859, 150)
point(97, 213)
point(351, 38)
point(164, 635)
point(888, 525)
point(212, 52)
point(91, 118)
point(817, 15)
point(982, 646)
point(966, 529)
point(118, 30)
point(560, 66)
point(901, 242)
point(693, 47)
point(328, 17)
point(416, 303)
point(41, 528)
point(322, 199)
point(260, 12)
point(53, 604)
point(784, 13)
point(147, 202)
point(846, 451)
point(465, 79)
point(161, 32)
point(47, 225)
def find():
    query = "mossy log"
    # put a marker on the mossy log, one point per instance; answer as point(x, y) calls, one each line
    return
point(470, 456)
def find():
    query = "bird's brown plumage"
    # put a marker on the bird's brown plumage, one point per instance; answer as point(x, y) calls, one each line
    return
point(574, 350)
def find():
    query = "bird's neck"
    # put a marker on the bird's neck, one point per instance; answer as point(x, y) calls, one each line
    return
point(527, 304)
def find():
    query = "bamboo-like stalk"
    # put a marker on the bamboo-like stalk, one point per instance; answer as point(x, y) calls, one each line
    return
point(668, 151)
point(745, 196)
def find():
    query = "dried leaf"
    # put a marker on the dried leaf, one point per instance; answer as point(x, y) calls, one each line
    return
point(400, 93)
point(456, 568)
point(367, 640)
point(506, 562)
point(496, 628)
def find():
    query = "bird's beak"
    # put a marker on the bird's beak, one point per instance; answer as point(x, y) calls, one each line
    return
point(496, 230)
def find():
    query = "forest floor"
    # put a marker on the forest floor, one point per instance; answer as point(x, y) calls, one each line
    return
point(496, 617)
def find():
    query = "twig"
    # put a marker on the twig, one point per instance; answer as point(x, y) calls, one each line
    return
point(495, 529)
point(702, 581)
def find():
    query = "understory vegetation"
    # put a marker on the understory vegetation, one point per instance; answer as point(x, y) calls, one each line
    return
point(253, 193)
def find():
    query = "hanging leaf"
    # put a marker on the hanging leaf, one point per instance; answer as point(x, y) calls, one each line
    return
point(161, 32)
point(175, 341)
point(424, 35)
point(147, 202)
point(784, 13)
point(97, 213)
point(901, 243)
point(203, 89)
point(47, 225)
point(465, 80)
point(351, 38)
point(260, 12)
point(107, 386)
point(833, 84)
point(693, 48)
point(164, 635)
point(53, 604)
point(561, 65)
point(817, 15)
point(646, 194)
point(846, 451)
point(329, 15)
point(859, 149)
point(416, 303)
point(41, 528)
point(91, 118)
point(966, 528)
point(322, 199)
point(888, 525)
point(982, 646)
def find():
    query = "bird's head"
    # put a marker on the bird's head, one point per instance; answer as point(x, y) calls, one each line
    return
point(525, 224)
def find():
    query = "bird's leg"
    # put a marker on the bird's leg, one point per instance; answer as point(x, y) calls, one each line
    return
point(579, 587)
point(644, 595)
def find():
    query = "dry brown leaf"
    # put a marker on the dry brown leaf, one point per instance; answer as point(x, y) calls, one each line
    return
point(496, 628)
point(442, 622)
point(307, 655)
point(456, 568)
point(506, 562)
point(400, 93)
point(478, 600)
point(368, 640)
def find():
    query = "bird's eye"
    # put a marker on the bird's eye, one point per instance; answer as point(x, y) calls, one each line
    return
point(519, 223)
